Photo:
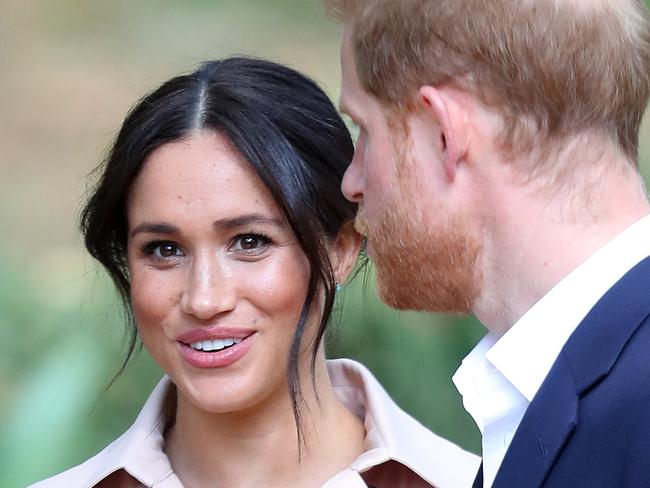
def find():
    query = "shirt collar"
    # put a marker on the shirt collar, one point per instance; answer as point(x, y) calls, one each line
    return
point(392, 434)
point(139, 451)
point(474, 379)
point(527, 351)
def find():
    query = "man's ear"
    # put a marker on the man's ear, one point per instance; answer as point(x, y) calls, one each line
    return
point(449, 116)
point(344, 251)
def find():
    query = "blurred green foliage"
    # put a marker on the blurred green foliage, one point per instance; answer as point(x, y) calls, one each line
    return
point(71, 71)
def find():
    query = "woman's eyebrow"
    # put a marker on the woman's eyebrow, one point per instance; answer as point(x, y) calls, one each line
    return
point(154, 228)
point(243, 220)
point(220, 224)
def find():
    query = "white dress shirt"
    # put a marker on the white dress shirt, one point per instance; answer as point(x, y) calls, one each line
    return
point(501, 376)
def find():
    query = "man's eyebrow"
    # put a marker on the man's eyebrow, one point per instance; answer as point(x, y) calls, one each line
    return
point(154, 228)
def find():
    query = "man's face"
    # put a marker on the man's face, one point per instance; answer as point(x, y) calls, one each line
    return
point(424, 250)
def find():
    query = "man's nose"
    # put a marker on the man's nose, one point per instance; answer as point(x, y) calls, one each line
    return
point(353, 179)
point(210, 289)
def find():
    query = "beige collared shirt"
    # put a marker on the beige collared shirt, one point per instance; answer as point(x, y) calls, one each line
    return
point(401, 453)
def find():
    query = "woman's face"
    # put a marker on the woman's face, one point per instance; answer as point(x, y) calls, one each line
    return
point(217, 281)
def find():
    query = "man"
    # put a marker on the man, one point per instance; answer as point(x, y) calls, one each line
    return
point(496, 173)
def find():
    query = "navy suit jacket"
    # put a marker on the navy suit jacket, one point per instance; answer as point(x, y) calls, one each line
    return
point(589, 424)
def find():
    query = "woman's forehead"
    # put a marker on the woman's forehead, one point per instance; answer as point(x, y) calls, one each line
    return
point(202, 172)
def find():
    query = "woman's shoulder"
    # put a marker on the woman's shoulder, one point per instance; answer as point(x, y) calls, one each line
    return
point(138, 451)
point(394, 434)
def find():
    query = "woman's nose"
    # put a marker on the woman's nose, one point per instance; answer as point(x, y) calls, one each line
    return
point(210, 290)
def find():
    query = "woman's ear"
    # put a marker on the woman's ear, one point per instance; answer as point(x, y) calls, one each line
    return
point(344, 251)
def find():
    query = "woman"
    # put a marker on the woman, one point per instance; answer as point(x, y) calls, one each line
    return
point(219, 217)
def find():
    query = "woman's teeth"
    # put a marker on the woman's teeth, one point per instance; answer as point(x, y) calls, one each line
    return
point(214, 345)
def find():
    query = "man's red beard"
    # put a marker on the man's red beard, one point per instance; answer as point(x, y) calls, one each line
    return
point(419, 267)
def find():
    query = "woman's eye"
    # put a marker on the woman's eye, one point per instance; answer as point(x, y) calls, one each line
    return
point(250, 243)
point(168, 250)
point(163, 251)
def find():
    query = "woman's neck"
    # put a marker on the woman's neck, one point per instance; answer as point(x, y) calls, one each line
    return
point(259, 446)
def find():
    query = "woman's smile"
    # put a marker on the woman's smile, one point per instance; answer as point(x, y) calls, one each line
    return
point(215, 347)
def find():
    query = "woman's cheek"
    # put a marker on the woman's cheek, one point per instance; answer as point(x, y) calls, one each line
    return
point(280, 285)
point(153, 296)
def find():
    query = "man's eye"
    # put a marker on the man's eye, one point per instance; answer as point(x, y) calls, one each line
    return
point(352, 125)
point(363, 135)
point(360, 147)
point(355, 133)
point(250, 243)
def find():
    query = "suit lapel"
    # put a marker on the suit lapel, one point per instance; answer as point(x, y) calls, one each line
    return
point(546, 426)
point(588, 356)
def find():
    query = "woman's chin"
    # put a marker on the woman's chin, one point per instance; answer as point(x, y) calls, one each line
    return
point(221, 396)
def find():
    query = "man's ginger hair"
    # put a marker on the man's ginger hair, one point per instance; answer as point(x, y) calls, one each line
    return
point(553, 69)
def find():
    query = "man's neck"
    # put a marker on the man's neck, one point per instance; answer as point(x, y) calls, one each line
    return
point(538, 238)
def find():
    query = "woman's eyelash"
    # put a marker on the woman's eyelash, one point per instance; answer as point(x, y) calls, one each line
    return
point(247, 244)
point(154, 249)
point(250, 242)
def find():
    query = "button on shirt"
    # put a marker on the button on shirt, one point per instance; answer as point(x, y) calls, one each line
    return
point(501, 376)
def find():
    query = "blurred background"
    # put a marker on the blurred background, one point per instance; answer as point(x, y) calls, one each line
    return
point(69, 71)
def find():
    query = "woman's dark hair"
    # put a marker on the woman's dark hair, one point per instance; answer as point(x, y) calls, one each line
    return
point(291, 135)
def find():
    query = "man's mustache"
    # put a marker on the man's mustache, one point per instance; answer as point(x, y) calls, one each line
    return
point(360, 224)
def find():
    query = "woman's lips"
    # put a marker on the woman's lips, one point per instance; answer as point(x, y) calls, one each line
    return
point(221, 358)
point(216, 359)
point(211, 333)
